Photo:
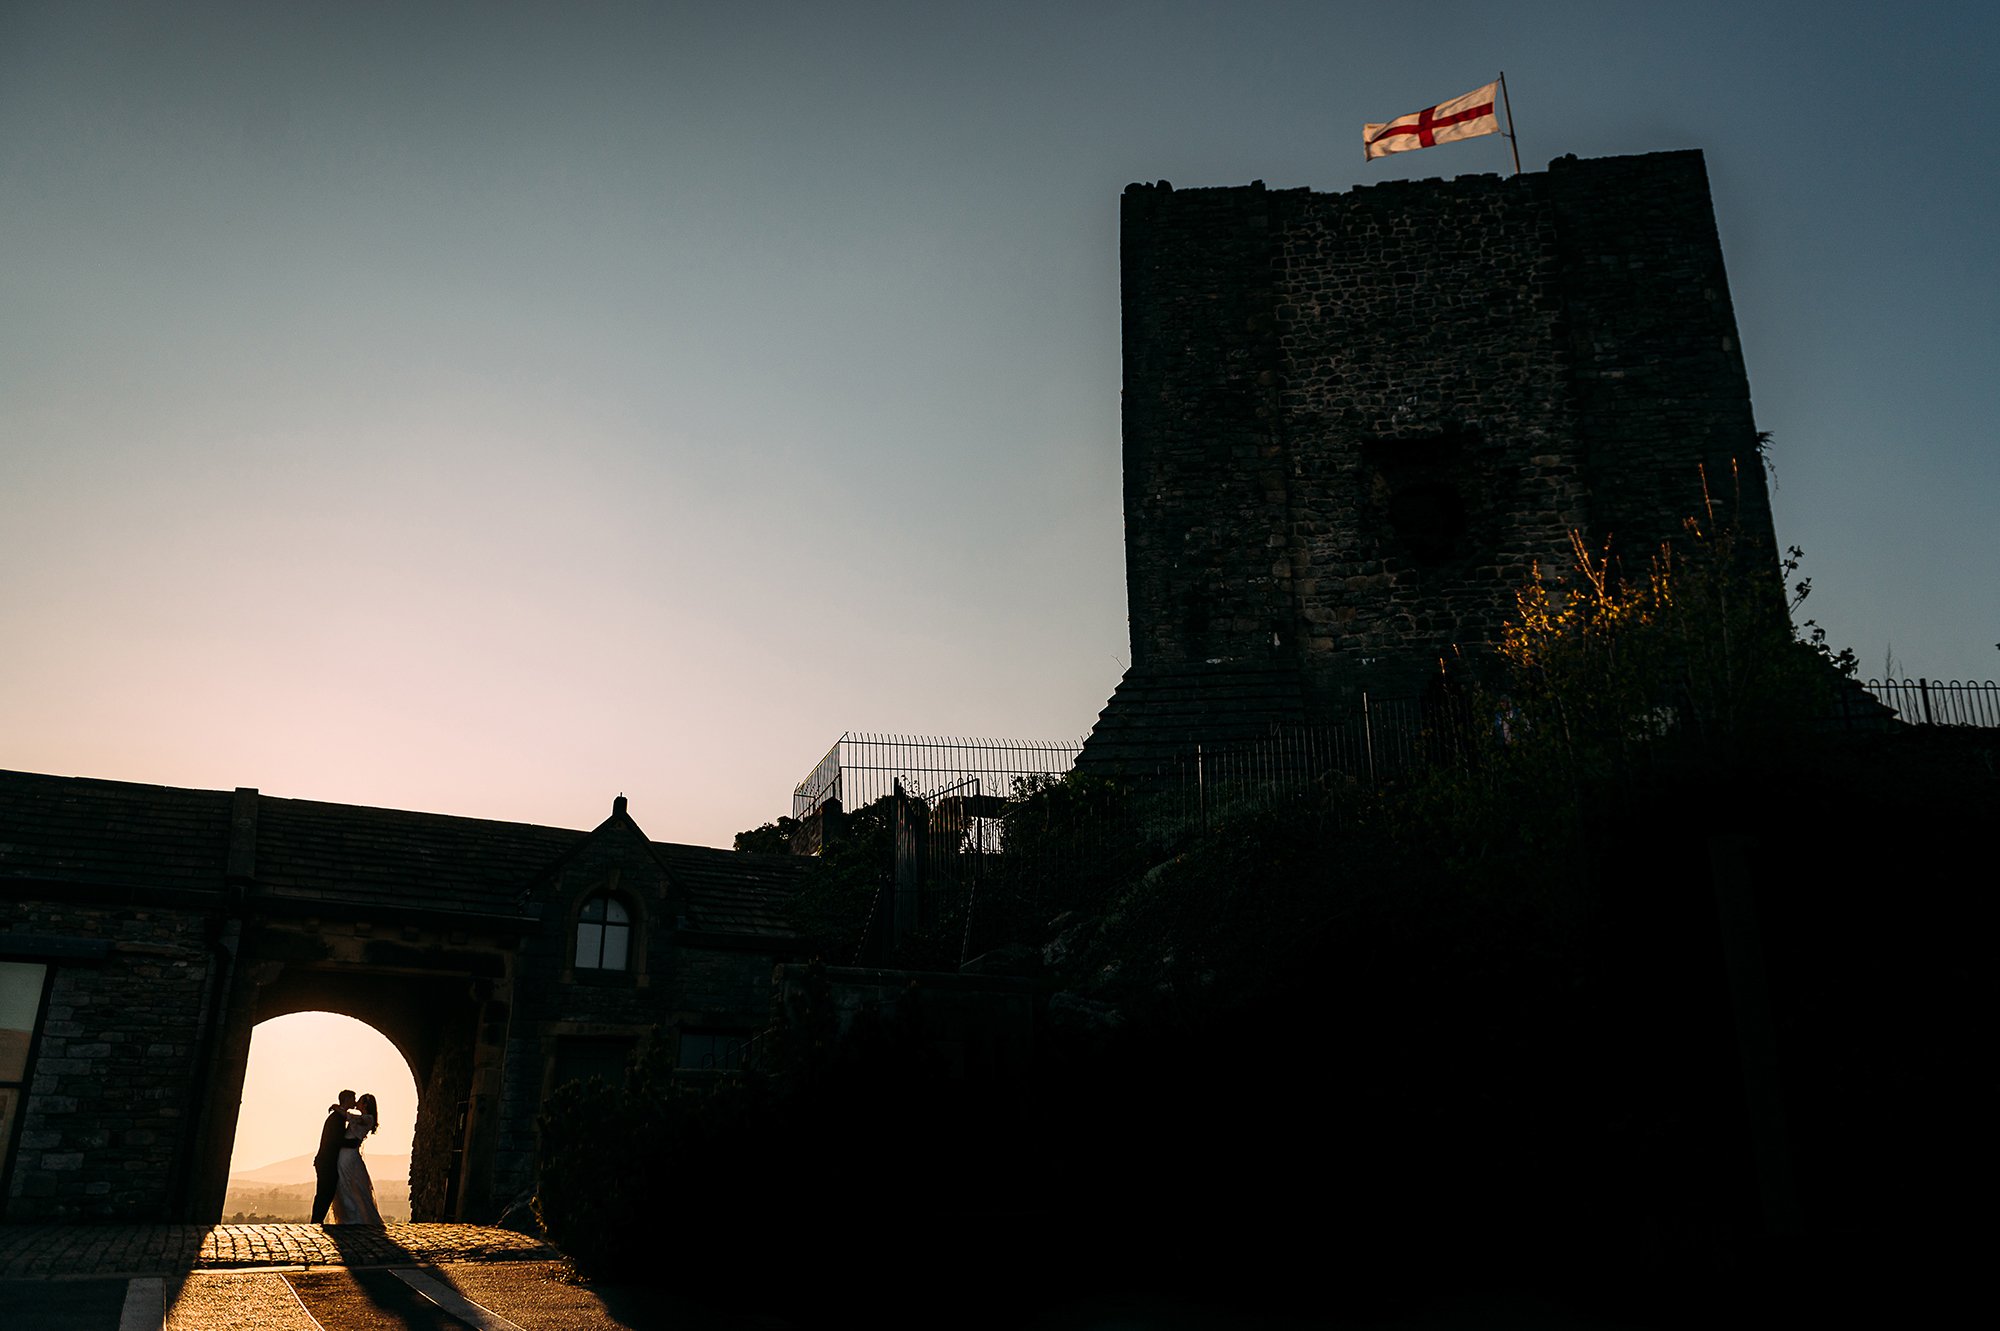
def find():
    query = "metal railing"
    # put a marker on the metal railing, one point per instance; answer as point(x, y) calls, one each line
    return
point(973, 868)
point(861, 768)
point(1385, 736)
point(968, 857)
point(1939, 702)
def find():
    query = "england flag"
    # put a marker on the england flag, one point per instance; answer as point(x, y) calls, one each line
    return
point(1464, 117)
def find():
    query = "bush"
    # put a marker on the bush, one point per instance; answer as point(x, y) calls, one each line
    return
point(620, 1162)
point(1699, 650)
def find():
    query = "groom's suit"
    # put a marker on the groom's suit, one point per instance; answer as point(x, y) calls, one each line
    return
point(326, 1163)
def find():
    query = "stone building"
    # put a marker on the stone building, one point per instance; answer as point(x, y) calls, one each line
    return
point(1353, 423)
point(145, 930)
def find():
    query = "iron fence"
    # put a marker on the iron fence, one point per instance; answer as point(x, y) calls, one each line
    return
point(1384, 737)
point(1938, 702)
point(861, 768)
point(972, 863)
point(973, 867)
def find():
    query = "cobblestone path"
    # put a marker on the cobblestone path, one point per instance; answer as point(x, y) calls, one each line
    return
point(30, 1251)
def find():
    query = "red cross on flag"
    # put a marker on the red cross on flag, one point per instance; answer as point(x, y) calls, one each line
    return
point(1464, 117)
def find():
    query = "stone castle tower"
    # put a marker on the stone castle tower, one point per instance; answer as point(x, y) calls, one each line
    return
point(1353, 423)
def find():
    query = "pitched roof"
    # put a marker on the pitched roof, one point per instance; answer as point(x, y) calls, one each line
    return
point(355, 855)
point(733, 891)
point(1159, 713)
point(114, 834)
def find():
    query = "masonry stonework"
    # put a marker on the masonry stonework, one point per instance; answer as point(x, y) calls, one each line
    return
point(146, 931)
point(113, 1081)
point(682, 978)
point(1355, 423)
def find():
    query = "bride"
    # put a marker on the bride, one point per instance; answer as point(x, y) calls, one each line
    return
point(354, 1200)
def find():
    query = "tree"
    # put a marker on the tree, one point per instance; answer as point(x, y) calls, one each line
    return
point(773, 838)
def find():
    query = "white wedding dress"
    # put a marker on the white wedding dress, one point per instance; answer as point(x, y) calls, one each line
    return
point(354, 1199)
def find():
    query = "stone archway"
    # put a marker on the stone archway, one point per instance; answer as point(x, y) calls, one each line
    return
point(444, 1008)
point(296, 1063)
point(431, 1022)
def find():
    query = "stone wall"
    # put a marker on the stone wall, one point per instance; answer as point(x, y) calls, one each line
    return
point(1655, 369)
point(1425, 414)
point(439, 1138)
point(174, 921)
point(677, 981)
point(1206, 475)
point(1354, 423)
point(113, 1087)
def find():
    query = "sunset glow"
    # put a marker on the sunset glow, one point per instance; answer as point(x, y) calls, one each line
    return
point(493, 415)
point(298, 1064)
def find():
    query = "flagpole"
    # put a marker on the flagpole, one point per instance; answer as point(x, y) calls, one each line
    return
point(1512, 142)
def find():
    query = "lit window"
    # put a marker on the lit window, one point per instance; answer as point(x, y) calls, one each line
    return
point(603, 935)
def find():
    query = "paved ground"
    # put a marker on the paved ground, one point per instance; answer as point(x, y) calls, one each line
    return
point(287, 1278)
point(425, 1277)
point(31, 1251)
point(451, 1277)
point(394, 1278)
point(314, 1278)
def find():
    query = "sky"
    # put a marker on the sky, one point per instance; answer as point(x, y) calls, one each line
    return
point(491, 409)
point(298, 1064)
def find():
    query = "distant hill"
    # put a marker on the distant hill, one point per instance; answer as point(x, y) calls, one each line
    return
point(284, 1190)
point(299, 1169)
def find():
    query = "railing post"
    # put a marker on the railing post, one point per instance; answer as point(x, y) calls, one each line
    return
point(1924, 688)
point(908, 836)
point(1368, 736)
point(1200, 790)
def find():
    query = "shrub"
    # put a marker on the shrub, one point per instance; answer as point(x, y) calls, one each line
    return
point(1699, 649)
point(620, 1162)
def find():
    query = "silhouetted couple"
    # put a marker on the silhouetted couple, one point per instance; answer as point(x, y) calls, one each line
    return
point(343, 1178)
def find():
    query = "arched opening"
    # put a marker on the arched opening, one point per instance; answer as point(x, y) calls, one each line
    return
point(298, 1063)
point(447, 1016)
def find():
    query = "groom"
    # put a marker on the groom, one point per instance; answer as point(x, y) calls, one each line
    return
point(326, 1164)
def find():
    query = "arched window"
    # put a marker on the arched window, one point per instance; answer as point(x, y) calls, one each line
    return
point(603, 934)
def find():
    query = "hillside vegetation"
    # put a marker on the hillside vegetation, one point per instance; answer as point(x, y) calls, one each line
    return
point(264, 1199)
point(1649, 989)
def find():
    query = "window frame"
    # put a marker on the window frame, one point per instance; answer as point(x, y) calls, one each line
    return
point(605, 926)
point(575, 967)
point(10, 1138)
